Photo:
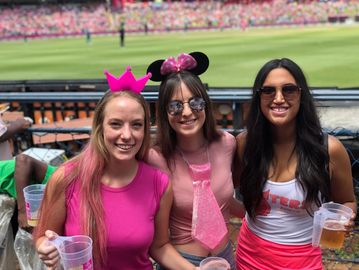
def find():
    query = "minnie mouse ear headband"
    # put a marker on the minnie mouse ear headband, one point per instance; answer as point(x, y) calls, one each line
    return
point(195, 62)
point(127, 81)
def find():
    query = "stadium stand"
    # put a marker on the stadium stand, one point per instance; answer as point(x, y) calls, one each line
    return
point(53, 20)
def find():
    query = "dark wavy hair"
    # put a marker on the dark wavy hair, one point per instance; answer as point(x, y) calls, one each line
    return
point(313, 159)
point(166, 136)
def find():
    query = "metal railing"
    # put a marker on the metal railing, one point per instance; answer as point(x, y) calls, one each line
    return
point(233, 97)
point(216, 95)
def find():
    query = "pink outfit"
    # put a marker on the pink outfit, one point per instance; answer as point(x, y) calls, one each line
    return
point(220, 155)
point(255, 253)
point(281, 236)
point(129, 213)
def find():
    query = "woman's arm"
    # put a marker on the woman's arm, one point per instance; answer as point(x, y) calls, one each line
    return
point(161, 249)
point(27, 170)
point(155, 158)
point(17, 126)
point(236, 207)
point(341, 178)
point(236, 169)
point(52, 219)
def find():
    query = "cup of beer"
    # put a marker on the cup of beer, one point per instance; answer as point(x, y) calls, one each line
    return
point(329, 225)
point(33, 197)
point(214, 263)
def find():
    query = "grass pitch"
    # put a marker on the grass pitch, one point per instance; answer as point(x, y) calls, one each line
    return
point(329, 55)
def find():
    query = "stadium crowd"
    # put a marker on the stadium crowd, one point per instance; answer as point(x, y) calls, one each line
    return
point(47, 20)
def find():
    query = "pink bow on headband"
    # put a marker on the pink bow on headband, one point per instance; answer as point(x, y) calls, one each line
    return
point(126, 81)
point(184, 62)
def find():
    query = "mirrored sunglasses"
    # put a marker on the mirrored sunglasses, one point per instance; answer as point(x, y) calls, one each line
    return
point(289, 91)
point(175, 107)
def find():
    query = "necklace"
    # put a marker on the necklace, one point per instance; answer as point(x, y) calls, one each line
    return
point(194, 152)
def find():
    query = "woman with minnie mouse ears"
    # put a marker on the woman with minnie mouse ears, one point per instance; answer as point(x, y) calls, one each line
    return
point(197, 157)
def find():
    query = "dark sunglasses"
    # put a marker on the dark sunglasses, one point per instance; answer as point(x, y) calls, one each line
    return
point(175, 107)
point(289, 91)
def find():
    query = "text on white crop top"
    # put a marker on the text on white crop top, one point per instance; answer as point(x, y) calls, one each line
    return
point(281, 217)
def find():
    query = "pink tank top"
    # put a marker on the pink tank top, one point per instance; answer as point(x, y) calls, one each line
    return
point(220, 155)
point(129, 213)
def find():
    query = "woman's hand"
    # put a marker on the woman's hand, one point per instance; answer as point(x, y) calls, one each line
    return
point(48, 252)
point(349, 227)
point(22, 220)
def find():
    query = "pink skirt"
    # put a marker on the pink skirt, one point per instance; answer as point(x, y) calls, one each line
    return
point(254, 252)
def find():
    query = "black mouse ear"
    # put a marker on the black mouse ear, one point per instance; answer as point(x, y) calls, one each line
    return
point(155, 69)
point(202, 63)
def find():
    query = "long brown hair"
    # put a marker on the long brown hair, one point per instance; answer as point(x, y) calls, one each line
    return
point(166, 136)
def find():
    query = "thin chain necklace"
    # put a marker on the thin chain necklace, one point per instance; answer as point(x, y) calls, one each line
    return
point(186, 160)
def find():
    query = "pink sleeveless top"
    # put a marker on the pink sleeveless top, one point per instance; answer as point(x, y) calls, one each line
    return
point(129, 216)
point(220, 155)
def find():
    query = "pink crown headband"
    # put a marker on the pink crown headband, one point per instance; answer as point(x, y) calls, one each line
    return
point(184, 62)
point(127, 81)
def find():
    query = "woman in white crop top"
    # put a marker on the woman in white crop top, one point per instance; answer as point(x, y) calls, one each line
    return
point(286, 172)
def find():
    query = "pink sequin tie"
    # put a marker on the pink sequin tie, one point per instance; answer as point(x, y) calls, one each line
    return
point(208, 226)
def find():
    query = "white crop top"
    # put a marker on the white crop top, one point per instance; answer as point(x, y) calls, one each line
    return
point(282, 217)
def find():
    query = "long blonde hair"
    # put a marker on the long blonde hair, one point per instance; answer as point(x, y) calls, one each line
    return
point(88, 168)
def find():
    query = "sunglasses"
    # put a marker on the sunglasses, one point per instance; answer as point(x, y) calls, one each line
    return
point(289, 91)
point(175, 107)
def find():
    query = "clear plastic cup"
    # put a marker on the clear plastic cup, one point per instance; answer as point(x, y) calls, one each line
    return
point(329, 225)
point(333, 233)
point(75, 252)
point(318, 222)
point(214, 263)
point(33, 197)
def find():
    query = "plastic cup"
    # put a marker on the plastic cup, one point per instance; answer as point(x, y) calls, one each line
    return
point(33, 197)
point(318, 222)
point(75, 252)
point(333, 230)
point(214, 263)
